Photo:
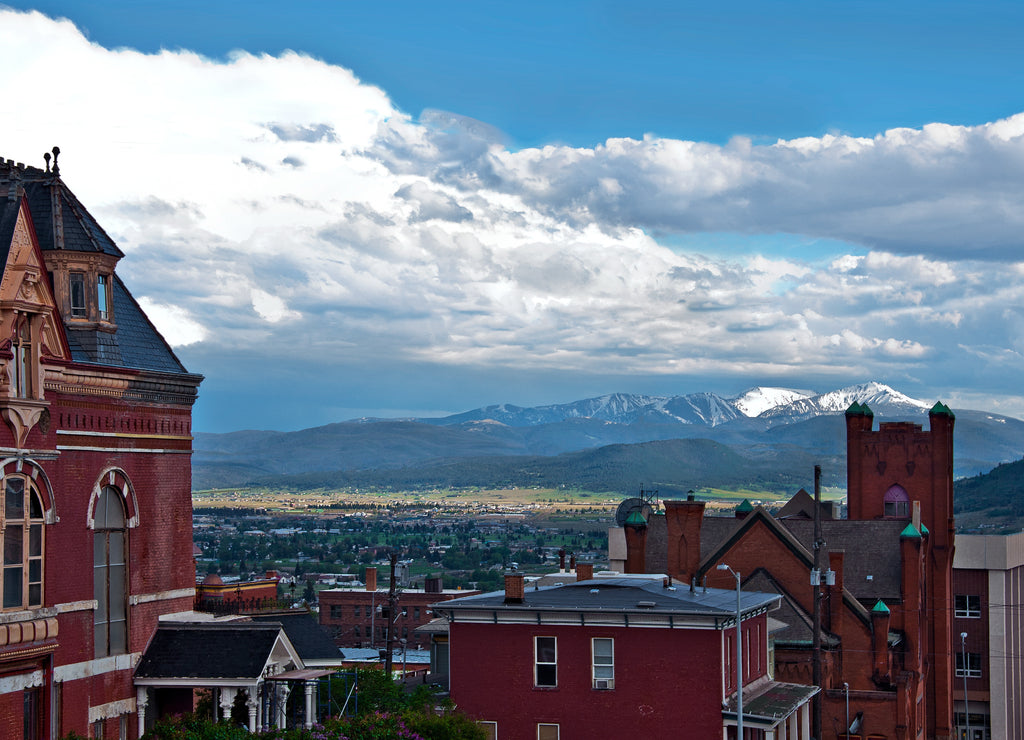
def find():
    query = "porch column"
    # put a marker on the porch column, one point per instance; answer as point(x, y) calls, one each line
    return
point(281, 692)
point(253, 703)
point(309, 686)
point(227, 701)
point(141, 700)
point(805, 721)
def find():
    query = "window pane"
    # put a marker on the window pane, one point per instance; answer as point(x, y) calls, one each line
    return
point(35, 540)
point(35, 570)
point(35, 594)
point(101, 295)
point(14, 499)
point(545, 649)
point(116, 592)
point(77, 280)
point(602, 650)
point(117, 548)
point(547, 732)
point(118, 643)
point(14, 539)
point(12, 587)
point(35, 505)
point(547, 674)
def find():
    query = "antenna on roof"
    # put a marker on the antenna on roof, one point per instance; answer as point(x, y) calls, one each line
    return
point(56, 168)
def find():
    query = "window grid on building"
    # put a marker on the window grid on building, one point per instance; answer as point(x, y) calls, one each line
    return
point(967, 606)
point(603, 663)
point(545, 672)
point(968, 665)
point(110, 620)
point(23, 544)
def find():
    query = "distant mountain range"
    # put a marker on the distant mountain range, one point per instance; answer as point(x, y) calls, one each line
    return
point(768, 436)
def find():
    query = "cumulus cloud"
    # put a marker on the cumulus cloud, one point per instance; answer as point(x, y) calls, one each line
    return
point(284, 202)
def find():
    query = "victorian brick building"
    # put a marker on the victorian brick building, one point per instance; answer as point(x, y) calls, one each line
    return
point(885, 604)
point(95, 467)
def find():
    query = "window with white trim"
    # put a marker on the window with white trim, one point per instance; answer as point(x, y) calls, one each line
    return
point(490, 730)
point(547, 732)
point(23, 545)
point(110, 574)
point(969, 665)
point(602, 651)
point(967, 606)
point(545, 662)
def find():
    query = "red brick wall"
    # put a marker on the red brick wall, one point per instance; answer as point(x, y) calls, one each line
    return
point(665, 681)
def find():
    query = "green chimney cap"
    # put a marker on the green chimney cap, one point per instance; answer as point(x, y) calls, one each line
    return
point(924, 529)
point(745, 508)
point(636, 519)
point(879, 608)
point(941, 409)
point(910, 531)
point(859, 409)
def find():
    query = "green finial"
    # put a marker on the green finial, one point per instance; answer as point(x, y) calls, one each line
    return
point(879, 608)
point(910, 531)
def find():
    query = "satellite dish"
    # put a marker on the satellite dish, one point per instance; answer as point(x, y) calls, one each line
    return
point(630, 505)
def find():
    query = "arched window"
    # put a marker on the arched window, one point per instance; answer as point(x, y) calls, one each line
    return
point(22, 544)
point(24, 360)
point(897, 503)
point(109, 575)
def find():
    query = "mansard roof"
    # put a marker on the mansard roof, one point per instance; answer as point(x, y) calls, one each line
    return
point(136, 344)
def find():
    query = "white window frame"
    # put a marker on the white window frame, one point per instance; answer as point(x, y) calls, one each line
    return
point(602, 674)
point(490, 729)
point(971, 606)
point(537, 663)
point(558, 730)
point(967, 672)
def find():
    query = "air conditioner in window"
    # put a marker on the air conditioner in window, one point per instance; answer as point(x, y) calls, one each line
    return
point(604, 683)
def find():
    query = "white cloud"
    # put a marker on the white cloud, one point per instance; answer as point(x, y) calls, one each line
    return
point(285, 201)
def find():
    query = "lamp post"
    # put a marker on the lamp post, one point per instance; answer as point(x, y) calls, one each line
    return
point(967, 710)
point(739, 653)
point(846, 688)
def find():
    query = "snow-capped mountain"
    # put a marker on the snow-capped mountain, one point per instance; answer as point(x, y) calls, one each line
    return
point(773, 405)
point(757, 400)
point(880, 398)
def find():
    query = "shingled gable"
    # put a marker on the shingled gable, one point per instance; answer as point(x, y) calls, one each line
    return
point(760, 517)
point(215, 654)
point(313, 644)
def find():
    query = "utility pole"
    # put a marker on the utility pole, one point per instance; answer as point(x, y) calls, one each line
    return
point(392, 599)
point(816, 582)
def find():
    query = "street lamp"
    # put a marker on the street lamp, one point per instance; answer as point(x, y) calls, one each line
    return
point(967, 710)
point(846, 688)
point(739, 654)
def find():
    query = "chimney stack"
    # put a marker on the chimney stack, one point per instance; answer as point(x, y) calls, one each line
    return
point(515, 589)
point(584, 571)
point(561, 560)
point(371, 579)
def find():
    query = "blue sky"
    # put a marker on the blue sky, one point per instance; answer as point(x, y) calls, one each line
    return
point(342, 209)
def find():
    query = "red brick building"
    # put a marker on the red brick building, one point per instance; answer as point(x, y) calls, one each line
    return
point(886, 622)
point(618, 656)
point(359, 617)
point(95, 467)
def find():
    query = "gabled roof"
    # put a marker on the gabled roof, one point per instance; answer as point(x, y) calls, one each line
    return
point(306, 634)
point(198, 652)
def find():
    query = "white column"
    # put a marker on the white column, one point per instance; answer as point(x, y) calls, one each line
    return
point(253, 704)
point(782, 731)
point(227, 701)
point(805, 721)
point(281, 692)
point(310, 687)
point(141, 700)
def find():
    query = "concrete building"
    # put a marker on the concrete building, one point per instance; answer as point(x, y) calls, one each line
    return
point(988, 635)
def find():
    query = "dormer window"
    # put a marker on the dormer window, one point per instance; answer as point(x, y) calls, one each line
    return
point(897, 503)
point(77, 290)
point(103, 296)
point(24, 361)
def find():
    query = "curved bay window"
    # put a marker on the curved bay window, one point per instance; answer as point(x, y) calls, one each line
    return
point(897, 503)
point(22, 544)
point(109, 574)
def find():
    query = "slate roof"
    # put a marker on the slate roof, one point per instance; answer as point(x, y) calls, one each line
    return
point(136, 344)
point(620, 595)
point(306, 635)
point(237, 650)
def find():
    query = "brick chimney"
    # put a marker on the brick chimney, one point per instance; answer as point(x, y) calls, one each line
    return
point(515, 589)
point(432, 585)
point(880, 618)
point(683, 520)
point(584, 571)
point(371, 579)
point(572, 562)
point(561, 560)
